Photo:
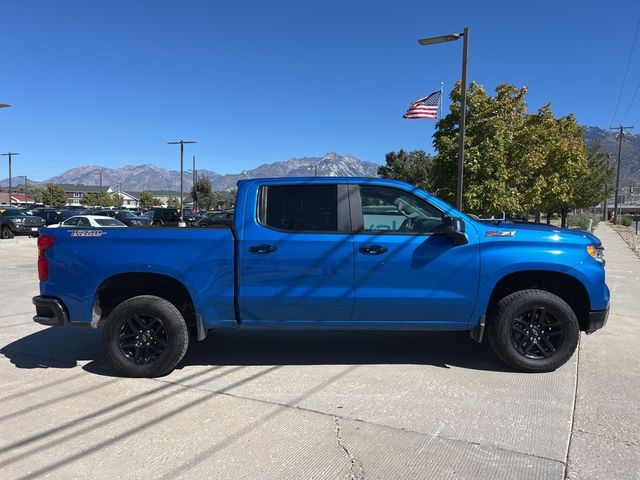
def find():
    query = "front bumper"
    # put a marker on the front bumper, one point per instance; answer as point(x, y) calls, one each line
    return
point(20, 229)
point(596, 320)
point(50, 312)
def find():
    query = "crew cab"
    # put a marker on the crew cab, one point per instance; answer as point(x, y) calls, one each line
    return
point(326, 254)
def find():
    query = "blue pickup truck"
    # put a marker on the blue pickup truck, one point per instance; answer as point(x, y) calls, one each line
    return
point(328, 254)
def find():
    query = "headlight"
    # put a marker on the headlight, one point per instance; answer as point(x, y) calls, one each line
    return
point(596, 252)
point(16, 220)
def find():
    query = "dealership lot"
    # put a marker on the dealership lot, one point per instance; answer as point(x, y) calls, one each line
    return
point(325, 405)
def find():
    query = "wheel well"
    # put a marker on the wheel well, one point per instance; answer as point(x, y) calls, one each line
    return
point(564, 286)
point(119, 288)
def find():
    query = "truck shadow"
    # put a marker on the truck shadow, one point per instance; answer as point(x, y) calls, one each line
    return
point(61, 348)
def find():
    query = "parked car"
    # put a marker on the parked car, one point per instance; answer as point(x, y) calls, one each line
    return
point(310, 253)
point(52, 215)
point(132, 220)
point(212, 219)
point(190, 217)
point(90, 221)
point(163, 217)
point(15, 221)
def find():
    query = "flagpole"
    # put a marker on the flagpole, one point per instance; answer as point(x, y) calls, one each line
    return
point(440, 101)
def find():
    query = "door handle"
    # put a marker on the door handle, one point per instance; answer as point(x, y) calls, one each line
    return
point(264, 248)
point(373, 250)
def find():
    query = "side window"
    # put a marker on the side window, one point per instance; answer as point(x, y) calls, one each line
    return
point(72, 221)
point(386, 209)
point(300, 208)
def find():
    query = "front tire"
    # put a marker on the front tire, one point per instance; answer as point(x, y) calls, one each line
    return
point(145, 336)
point(533, 331)
point(6, 233)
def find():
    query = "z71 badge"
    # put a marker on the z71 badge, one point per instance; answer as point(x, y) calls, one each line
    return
point(500, 233)
point(87, 233)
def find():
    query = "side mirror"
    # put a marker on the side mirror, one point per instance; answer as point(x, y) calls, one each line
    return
point(454, 228)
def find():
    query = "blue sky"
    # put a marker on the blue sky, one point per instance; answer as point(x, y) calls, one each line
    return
point(110, 82)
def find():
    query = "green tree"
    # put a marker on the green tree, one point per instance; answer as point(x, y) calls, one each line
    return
point(598, 184)
point(563, 160)
point(54, 194)
point(514, 161)
point(202, 194)
point(156, 202)
point(146, 199)
point(35, 191)
point(172, 202)
point(89, 199)
point(230, 202)
point(116, 200)
point(411, 167)
point(491, 172)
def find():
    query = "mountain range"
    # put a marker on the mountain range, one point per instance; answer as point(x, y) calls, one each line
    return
point(630, 156)
point(136, 178)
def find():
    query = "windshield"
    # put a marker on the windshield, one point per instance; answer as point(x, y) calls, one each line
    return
point(14, 213)
point(109, 222)
point(126, 214)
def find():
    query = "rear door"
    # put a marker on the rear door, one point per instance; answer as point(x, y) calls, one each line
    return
point(407, 272)
point(296, 257)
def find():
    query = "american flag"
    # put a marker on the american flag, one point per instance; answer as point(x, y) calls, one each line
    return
point(425, 107)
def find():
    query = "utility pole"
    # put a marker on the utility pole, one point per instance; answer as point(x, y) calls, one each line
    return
point(615, 202)
point(181, 143)
point(10, 155)
point(604, 187)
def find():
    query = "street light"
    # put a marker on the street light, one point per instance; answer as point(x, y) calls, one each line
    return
point(10, 155)
point(4, 105)
point(463, 101)
point(181, 142)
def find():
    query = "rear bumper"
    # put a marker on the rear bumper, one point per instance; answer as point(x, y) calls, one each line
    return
point(50, 312)
point(596, 320)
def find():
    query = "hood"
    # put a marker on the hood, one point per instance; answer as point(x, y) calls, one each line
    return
point(534, 231)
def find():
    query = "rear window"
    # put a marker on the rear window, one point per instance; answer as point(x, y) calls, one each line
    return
point(300, 208)
point(108, 222)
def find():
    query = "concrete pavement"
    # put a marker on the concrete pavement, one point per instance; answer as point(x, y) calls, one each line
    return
point(326, 405)
point(605, 442)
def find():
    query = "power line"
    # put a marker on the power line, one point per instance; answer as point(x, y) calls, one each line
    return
point(624, 80)
point(631, 104)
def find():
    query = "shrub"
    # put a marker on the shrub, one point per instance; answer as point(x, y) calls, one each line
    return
point(581, 220)
point(626, 220)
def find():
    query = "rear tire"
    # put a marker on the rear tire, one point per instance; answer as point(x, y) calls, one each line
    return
point(145, 336)
point(6, 233)
point(533, 331)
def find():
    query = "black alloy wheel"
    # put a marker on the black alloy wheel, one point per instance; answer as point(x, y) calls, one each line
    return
point(145, 336)
point(142, 339)
point(537, 334)
point(533, 330)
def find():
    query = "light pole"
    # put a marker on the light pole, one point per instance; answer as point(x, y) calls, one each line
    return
point(4, 105)
point(181, 142)
point(10, 155)
point(463, 101)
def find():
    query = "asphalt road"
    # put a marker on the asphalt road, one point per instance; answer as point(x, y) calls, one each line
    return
point(317, 406)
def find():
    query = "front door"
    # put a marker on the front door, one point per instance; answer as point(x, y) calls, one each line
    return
point(296, 258)
point(407, 272)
